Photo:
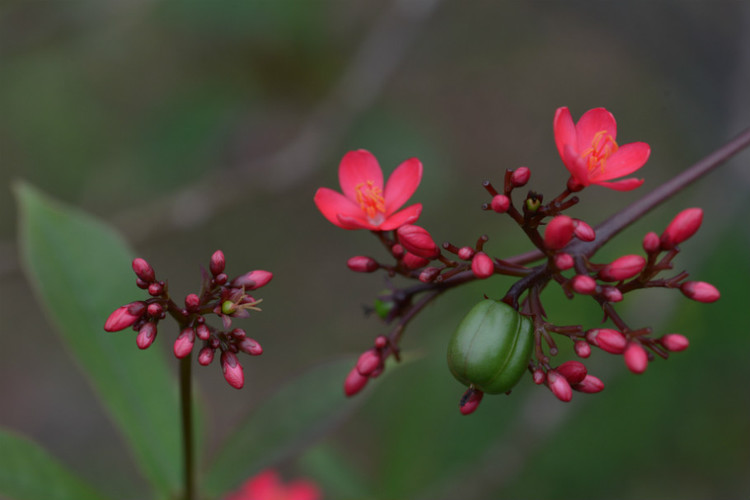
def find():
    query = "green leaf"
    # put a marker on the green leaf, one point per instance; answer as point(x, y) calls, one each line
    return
point(80, 270)
point(301, 411)
point(27, 472)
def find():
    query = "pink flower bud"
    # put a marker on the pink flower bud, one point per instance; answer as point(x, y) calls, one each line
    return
point(252, 280)
point(397, 251)
point(428, 274)
point(583, 349)
point(354, 382)
point(221, 278)
point(682, 227)
point(205, 356)
point(368, 362)
point(700, 291)
point(623, 268)
point(203, 332)
point(141, 284)
point(559, 232)
point(583, 231)
point(573, 371)
point(612, 294)
point(500, 203)
point(465, 253)
point(238, 333)
point(155, 309)
point(520, 176)
point(381, 341)
point(192, 302)
point(539, 376)
point(674, 342)
point(608, 340)
point(583, 284)
point(232, 369)
point(146, 335)
point(250, 346)
point(589, 385)
point(636, 358)
point(362, 264)
point(155, 289)
point(651, 242)
point(559, 386)
point(470, 401)
point(184, 343)
point(143, 270)
point(563, 261)
point(412, 261)
point(124, 316)
point(418, 241)
point(482, 265)
point(217, 263)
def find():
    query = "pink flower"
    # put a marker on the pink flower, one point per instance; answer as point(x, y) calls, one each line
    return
point(590, 153)
point(268, 486)
point(364, 204)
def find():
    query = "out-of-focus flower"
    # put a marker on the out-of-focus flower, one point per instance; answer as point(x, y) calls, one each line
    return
point(364, 203)
point(590, 153)
point(268, 486)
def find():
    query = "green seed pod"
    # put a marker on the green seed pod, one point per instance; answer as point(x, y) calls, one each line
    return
point(491, 347)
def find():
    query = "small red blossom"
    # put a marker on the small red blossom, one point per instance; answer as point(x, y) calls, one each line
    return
point(364, 203)
point(590, 153)
point(268, 486)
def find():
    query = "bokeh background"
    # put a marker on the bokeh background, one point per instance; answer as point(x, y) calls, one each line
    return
point(199, 125)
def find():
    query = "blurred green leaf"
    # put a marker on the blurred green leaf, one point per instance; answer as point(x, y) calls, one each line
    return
point(80, 270)
point(27, 472)
point(335, 473)
point(301, 411)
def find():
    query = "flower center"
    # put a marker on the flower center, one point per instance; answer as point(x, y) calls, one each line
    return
point(371, 201)
point(602, 146)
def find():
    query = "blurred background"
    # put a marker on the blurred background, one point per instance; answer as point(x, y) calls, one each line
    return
point(199, 125)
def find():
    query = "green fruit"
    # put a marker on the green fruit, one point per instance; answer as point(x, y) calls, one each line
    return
point(491, 347)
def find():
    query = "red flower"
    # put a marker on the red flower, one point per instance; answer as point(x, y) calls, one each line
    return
point(364, 204)
point(268, 486)
point(590, 153)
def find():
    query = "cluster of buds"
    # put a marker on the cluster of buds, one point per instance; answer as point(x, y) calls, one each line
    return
point(488, 359)
point(218, 296)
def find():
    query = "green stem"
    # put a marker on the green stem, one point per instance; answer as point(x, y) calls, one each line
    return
point(186, 407)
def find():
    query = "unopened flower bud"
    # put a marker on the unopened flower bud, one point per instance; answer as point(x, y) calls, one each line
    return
point(155, 289)
point(470, 401)
point(674, 342)
point(559, 386)
point(636, 358)
point(573, 371)
point(143, 285)
point(368, 362)
point(203, 332)
point(397, 251)
point(124, 316)
point(539, 376)
point(217, 263)
point(700, 291)
point(221, 278)
point(252, 280)
point(184, 343)
point(205, 356)
point(465, 253)
point(155, 310)
point(250, 346)
point(589, 385)
point(143, 270)
point(583, 284)
point(612, 294)
point(682, 227)
point(192, 302)
point(583, 349)
point(520, 176)
point(608, 340)
point(500, 203)
point(412, 261)
point(417, 240)
point(381, 341)
point(563, 261)
point(362, 264)
point(583, 231)
point(559, 232)
point(482, 265)
point(651, 242)
point(238, 333)
point(428, 274)
point(623, 268)
point(354, 382)
point(146, 335)
point(232, 369)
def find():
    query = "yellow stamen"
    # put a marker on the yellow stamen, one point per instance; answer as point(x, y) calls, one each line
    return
point(602, 147)
point(370, 199)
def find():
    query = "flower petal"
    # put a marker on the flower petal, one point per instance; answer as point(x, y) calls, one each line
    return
point(349, 222)
point(565, 130)
point(593, 121)
point(409, 215)
point(626, 160)
point(623, 185)
point(401, 184)
point(358, 167)
point(332, 204)
point(576, 166)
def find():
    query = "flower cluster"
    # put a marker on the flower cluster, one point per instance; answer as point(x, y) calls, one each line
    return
point(565, 246)
point(219, 295)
